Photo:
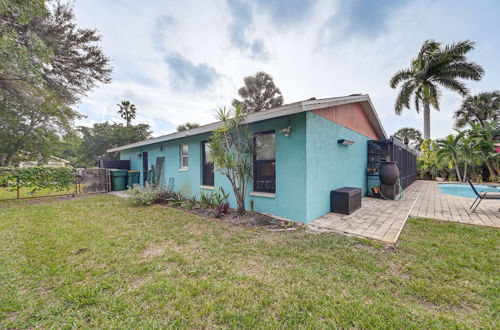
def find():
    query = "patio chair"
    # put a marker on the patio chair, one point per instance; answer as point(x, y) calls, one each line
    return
point(482, 195)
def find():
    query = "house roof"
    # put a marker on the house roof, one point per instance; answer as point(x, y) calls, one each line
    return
point(284, 110)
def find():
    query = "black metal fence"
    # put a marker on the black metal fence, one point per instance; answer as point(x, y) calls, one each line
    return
point(392, 149)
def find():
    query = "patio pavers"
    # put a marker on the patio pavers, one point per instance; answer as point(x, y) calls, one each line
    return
point(383, 220)
point(432, 203)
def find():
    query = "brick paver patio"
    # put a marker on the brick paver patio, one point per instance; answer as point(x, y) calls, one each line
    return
point(432, 203)
point(383, 220)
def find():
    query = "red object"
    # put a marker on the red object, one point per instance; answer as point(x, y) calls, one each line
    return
point(497, 148)
point(351, 116)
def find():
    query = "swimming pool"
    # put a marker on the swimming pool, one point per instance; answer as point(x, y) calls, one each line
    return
point(464, 190)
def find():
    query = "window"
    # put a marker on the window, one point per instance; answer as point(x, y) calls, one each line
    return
point(207, 167)
point(264, 163)
point(184, 156)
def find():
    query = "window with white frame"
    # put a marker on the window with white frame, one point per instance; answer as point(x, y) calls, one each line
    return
point(184, 156)
point(264, 162)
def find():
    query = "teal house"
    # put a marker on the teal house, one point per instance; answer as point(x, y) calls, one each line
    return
point(306, 149)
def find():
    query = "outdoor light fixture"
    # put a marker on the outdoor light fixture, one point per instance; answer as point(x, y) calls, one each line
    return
point(139, 155)
point(345, 142)
point(286, 131)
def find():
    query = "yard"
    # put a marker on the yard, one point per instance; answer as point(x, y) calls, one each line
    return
point(98, 262)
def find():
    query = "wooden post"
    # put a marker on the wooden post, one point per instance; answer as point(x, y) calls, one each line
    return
point(17, 187)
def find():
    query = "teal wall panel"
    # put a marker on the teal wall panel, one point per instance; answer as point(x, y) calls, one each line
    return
point(290, 198)
point(309, 164)
point(330, 165)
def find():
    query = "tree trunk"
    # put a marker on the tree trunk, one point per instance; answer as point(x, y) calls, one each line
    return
point(459, 178)
point(427, 120)
point(465, 173)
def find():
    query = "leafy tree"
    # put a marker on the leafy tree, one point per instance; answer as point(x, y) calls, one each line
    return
point(408, 134)
point(434, 66)
point(479, 109)
point(258, 94)
point(484, 138)
point(31, 131)
point(232, 149)
point(103, 136)
point(46, 65)
point(450, 149)
point(127, 111)
point(186, 126)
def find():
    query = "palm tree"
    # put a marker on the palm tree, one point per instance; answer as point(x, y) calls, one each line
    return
point(433, 67)
point(479, 109)
point(186, 126)
point(449, 148)
point(258, 94)
point(127, 111)
point(485, 138)
point(408, 134)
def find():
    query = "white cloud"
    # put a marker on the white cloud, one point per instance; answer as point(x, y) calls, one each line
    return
point(312, 56)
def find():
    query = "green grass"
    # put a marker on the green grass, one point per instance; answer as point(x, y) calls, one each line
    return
point(26, 192)
point(98, 262)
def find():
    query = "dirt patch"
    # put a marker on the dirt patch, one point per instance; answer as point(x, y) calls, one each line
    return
point(250, 220)
point(153, 251)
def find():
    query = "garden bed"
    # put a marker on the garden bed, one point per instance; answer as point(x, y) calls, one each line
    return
point(250, 219)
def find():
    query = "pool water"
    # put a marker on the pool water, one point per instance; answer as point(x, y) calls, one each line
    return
point(464, 190)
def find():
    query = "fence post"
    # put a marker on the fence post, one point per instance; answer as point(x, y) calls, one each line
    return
point(17, 187)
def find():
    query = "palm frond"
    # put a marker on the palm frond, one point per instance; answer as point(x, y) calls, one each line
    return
point(435, 96)
point(453, 84)
point(404, 96)
point(400, 76)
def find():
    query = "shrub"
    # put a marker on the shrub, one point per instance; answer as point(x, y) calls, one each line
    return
point(38, 177)
point(144, 196)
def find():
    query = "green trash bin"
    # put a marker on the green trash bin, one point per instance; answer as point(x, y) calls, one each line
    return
point(118, 180)
point(133, 178)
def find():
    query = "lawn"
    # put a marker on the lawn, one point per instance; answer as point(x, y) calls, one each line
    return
point(98, 262)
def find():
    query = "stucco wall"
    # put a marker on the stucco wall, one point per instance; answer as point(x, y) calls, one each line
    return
point(290, 198)
point(330, 165)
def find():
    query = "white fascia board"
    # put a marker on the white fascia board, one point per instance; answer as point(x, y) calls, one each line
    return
point(285, 110)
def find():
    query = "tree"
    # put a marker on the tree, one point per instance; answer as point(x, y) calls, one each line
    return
point(479, 109)
point(232, 150)
point(408, 134)
point(127, 111)
point(434, 66)
point(103, 136)
point(258, 94)
point(46, 65)
point(186, 126)
point(484, 138)
point(28, 130)
point(450, 149)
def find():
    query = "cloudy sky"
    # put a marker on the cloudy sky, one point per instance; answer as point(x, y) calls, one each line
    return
point(180, 60)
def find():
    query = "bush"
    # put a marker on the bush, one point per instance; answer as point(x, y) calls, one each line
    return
point(38, 177)
point(144, 196)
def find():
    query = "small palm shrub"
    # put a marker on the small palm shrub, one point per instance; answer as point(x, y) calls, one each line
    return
point(143, 195)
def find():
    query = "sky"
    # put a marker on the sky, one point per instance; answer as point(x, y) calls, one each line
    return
point(179, 61)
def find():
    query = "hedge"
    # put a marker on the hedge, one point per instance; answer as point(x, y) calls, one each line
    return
point(36, 178)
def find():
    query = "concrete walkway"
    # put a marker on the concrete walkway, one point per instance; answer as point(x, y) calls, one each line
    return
point(384, 220)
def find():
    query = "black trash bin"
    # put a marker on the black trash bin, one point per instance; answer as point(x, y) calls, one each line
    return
point(345, 200)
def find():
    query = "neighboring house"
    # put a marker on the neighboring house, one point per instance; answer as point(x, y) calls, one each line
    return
point(293, 172)
point(54, 162)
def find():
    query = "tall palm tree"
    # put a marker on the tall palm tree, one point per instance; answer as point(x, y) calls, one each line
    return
point(434, 66)
point(479, 109)
point(127, 111)
point(409, 134)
